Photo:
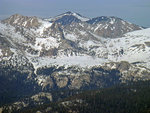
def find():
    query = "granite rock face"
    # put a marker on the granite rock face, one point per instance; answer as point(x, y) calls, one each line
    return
point(24, 21)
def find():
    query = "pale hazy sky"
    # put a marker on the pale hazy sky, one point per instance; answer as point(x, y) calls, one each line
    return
point(135, 11)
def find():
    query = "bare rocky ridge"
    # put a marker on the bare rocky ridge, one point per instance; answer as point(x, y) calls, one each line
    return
point(25, 21)
point(111, 26)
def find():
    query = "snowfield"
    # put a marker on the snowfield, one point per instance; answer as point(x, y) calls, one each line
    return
point(81, 61)
point(46, 43)
point(132, 47)
point(44, 26)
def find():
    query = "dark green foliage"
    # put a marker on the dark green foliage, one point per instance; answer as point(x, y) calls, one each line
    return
point(48, 71)
point(14, 85)
point(131, 98)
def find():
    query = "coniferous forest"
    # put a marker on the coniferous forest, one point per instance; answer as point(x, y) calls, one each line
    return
point(131, 98)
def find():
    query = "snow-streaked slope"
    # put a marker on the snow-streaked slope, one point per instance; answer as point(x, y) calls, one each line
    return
point(138, 33)
point(111, 26)
point(77, 45)
point(80, 17)
point(10, 31)
point(44, 25)
point(1, 52)
point(71, 37)
point(69, 16)
point(131, 48)
point(46, 43)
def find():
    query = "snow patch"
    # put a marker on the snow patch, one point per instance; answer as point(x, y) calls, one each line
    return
point(106, 26)
point(71, 37)
point(112, 21)
point(46, 43)
point(130, 48)
point(83, 19)
point(82, 61)
point(123, 22)
point(1, 52)
point(10, 31)
point(16, 21)
point(97, 27)
point(83, 32)
point(44, 26)
point(88, 44)
point(138, 33)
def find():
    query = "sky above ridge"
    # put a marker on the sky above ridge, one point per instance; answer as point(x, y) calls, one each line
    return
point(134, 11)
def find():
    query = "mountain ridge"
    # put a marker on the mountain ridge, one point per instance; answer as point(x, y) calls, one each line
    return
point(46, 56)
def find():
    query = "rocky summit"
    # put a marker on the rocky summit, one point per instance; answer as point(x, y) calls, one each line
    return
point(68, 51)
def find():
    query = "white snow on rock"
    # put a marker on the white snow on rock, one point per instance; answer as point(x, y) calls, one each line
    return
point(1, 52)
point(71, 37)
point(81, 61)
point(112, 21)
point(46, 43)
point(10, 31)
point(44, 26)
point(99, 26)
point(88, 44)
point(138, 33)
point(83, 32)
point(83, 19)
point(130, 48)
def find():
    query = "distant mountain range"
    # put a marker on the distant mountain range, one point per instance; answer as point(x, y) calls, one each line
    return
point(69, 51)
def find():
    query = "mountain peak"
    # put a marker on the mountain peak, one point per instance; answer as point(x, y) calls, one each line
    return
point(68, 12)
point(19, 16)
point(16, 15)
point(20, 20)
point(79, 55)
point(73, 14)
point(111, 26)
point(102, 18)
point(68, 18)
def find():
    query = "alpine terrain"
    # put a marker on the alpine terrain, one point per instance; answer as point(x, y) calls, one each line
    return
point(40, 57)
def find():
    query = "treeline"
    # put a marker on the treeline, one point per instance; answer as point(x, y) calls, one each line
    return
point(131, 98)
point(14, 85)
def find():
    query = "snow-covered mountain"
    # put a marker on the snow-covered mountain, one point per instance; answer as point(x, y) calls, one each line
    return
point(68, 18)
point(71, 51)
point(46, 43)
point(111, 26)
